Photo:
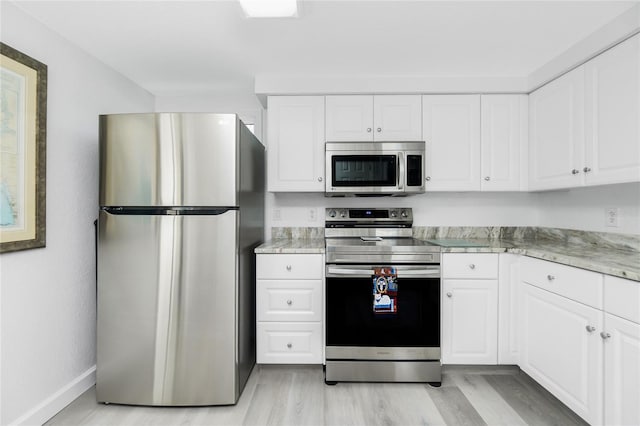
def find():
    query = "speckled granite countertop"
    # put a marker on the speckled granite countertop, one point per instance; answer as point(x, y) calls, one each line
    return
point(292, 246)
point(619, 263)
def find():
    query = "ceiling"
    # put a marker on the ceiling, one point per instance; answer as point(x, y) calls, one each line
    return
point(182, 47)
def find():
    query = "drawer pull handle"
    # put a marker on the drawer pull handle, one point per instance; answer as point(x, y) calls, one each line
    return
point(472, 266)
point(604, 335)
point(551, 277)
point(289, 268)
point(289, 302)
point(449, 294)
point(590, 328)
point(289, 345)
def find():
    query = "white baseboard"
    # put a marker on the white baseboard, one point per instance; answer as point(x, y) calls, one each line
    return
point(56, 402)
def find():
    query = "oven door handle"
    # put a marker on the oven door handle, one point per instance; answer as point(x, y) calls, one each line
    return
point(352, 272)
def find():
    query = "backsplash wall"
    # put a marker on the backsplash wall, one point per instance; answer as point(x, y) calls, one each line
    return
point(581, 208)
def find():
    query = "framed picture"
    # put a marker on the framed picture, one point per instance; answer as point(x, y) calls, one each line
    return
point(23, 124)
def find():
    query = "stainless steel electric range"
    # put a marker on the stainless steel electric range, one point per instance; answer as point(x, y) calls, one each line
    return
point(365, 345)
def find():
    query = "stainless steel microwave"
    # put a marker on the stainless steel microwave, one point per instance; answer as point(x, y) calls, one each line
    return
point(374, 168)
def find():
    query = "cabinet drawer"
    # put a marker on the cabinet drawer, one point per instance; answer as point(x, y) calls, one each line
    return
point(622, 298)
point(576, 284)
point(470, 265)
point(289, 343)
point(289, 266)
point(289, 300)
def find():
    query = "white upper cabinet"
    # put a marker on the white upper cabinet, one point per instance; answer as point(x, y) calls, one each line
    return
point(373, 118)
point(349, 118)
point(585, 126)
point(556, 133)
point(295, 144)
point(451, 129)
point(503, 142)
point(612, 115)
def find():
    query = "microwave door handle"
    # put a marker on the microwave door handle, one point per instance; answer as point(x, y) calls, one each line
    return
point(401, 173)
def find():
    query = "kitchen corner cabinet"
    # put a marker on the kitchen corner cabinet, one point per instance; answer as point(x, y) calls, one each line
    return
point(580, 339)
point(289, 308)
point(451, 129)
point(295, 144)
point(359, 118)
point(508, 308)
point(503, 142)
point(584, 127)
point(469, 308)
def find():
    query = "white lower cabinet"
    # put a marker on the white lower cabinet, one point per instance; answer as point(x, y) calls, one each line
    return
point(508, 308)
point(621, 371)
point(469, 308)
point(562, 349)
point(289, 303)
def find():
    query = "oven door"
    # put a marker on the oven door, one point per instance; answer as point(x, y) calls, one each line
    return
point(355, 331)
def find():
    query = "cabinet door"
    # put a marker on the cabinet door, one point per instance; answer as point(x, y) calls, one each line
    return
point(397, 117)
point(560, 353)
point(612, 139)
point(295, 144)
point(556, 133)
point(469, 321)
point(621, 371)
point(349, 118)
point(503, 142)
point(451, 129)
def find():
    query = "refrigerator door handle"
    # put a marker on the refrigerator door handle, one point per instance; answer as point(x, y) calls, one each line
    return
point(167, 211)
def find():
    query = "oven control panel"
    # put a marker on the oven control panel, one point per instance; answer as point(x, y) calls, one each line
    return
point(401, 214)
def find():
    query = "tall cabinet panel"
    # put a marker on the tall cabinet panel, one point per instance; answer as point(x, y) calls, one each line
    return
point(503, 142)
point(451, 129)
point(295, 144)
point(612, 139)
point(556, 133)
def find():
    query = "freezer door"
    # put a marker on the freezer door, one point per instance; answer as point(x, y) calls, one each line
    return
point(167, 316)
point(168, 159)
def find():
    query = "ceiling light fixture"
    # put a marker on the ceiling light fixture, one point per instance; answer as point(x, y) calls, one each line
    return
point(270, 8)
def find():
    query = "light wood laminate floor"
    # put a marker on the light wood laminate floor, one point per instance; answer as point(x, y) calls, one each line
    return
point(297, 395)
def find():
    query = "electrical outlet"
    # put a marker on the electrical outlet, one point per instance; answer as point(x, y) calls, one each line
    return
point(277, 215)
point(612, 217)
point(313, 215)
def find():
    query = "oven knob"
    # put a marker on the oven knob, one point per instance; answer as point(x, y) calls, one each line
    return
point(404, 214)
point(394, 213)
point(332, 213)
point(343, 213)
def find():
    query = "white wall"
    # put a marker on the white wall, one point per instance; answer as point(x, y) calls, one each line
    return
point(429, 209)
point(584, 208)
point(48, 295)
point(244, 103)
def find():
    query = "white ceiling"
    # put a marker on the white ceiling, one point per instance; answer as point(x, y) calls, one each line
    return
point(182, 47)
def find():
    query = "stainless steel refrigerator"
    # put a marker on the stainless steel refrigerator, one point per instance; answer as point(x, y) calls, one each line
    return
point(181, 210)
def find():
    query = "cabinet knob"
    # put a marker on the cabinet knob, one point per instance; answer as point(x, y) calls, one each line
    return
point(378, 129)
point(604, 335)
point(590, 328)
point(289, 345)
point(449, 294)
point(586, 169)
point(575, 171)
point(368, 129)
point(320, 179)
point(428, 178)
point(487, 178)
point(472, 266)
point(289, 268)
point(551, 277)
point(289, 302)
